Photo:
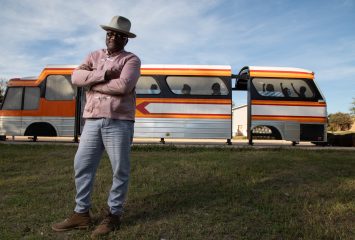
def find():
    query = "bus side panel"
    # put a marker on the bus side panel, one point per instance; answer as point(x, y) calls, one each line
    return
point(10, 125)
point(183, 118)
point(290, 118)
point(182, 128)
point(59, 114)
point(64, 126)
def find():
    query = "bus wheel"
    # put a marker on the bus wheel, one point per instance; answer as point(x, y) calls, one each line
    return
point(2, 137)
point(40, 129)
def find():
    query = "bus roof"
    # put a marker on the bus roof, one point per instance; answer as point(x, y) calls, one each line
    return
point(286, 72)
point(174, 69)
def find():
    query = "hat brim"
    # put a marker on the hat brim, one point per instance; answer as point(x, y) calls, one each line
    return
point(108, 28)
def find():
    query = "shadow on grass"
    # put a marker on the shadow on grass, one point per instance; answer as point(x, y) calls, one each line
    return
point(177, 200)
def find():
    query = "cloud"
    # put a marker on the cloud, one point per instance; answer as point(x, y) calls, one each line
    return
point(237, 33)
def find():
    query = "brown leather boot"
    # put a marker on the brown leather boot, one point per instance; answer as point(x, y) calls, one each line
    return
point(110, 223)
point(75, 221)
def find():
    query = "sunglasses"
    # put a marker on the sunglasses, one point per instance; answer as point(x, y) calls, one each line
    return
point(115, 34)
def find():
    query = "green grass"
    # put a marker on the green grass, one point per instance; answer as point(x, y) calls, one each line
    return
point(187, 193)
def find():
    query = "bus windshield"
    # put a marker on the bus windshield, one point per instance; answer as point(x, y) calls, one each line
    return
point(284, 88)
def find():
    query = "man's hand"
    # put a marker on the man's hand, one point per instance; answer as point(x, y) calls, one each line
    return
point(85, 67)
point(108, 75)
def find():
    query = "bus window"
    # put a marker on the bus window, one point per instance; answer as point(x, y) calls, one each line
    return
point(285, 88)
point(59, 87)
point(147, 85)
point(197, 85)
point(31, 100)
point(13, 99)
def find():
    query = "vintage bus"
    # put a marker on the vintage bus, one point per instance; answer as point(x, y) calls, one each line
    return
point(174, 101)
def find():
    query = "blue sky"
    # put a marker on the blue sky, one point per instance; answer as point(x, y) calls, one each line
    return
point(316, 35)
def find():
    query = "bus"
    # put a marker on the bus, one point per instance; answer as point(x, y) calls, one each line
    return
point(174, 101)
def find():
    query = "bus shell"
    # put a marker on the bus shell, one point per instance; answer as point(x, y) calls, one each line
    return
point(284, 101)
point(175, 101)
point(51, 106)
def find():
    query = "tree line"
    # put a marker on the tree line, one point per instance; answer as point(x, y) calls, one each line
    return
point(3, 83)
point(342, 121)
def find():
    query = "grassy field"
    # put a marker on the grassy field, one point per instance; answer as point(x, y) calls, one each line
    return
point(187, 193)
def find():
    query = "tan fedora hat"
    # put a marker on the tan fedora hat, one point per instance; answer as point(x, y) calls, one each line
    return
point(119, 24)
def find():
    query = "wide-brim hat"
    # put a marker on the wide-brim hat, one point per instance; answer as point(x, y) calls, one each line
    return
point(119, 24)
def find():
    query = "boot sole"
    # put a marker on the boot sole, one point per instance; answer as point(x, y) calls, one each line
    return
point(68, 229)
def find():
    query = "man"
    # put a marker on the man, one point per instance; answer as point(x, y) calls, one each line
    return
point(110, 75)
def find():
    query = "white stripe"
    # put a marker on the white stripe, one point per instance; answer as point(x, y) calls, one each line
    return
point(261, 68)
point(188, 108)
point(59, 66)
point(289, 111)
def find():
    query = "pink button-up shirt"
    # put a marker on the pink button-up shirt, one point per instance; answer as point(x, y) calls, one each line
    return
point(115, 98)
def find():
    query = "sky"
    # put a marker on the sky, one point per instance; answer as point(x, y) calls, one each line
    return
point(318, 35)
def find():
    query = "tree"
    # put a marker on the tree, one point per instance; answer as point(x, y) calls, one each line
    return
point(2, 88)
point(352, 108)
point(339, 121)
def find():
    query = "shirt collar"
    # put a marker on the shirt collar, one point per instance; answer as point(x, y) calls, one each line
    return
point(113, 54)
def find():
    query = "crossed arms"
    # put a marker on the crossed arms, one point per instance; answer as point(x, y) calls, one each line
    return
point(111, 82)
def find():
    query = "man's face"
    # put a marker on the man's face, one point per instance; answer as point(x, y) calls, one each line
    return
point(115, 41)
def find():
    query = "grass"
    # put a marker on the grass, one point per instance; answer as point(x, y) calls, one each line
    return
point(341, 132)
point(187, 193)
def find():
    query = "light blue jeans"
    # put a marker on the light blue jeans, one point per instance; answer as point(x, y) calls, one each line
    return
point(99, 134)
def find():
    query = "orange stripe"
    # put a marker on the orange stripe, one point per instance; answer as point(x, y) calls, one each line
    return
point(192, 72)
point(279, 71)
point(144, 71)
point(285, 74)
point(201, 116)
point(12, 113)
point(49, 71)
point(288, 103)
point(290, 118)
point(41, 77)
point(46, 108)
point(184, 100)
point(187, 101)
point(22, 83)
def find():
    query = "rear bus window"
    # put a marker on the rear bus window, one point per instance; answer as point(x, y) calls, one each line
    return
point(59, 87)
point(182, 85)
